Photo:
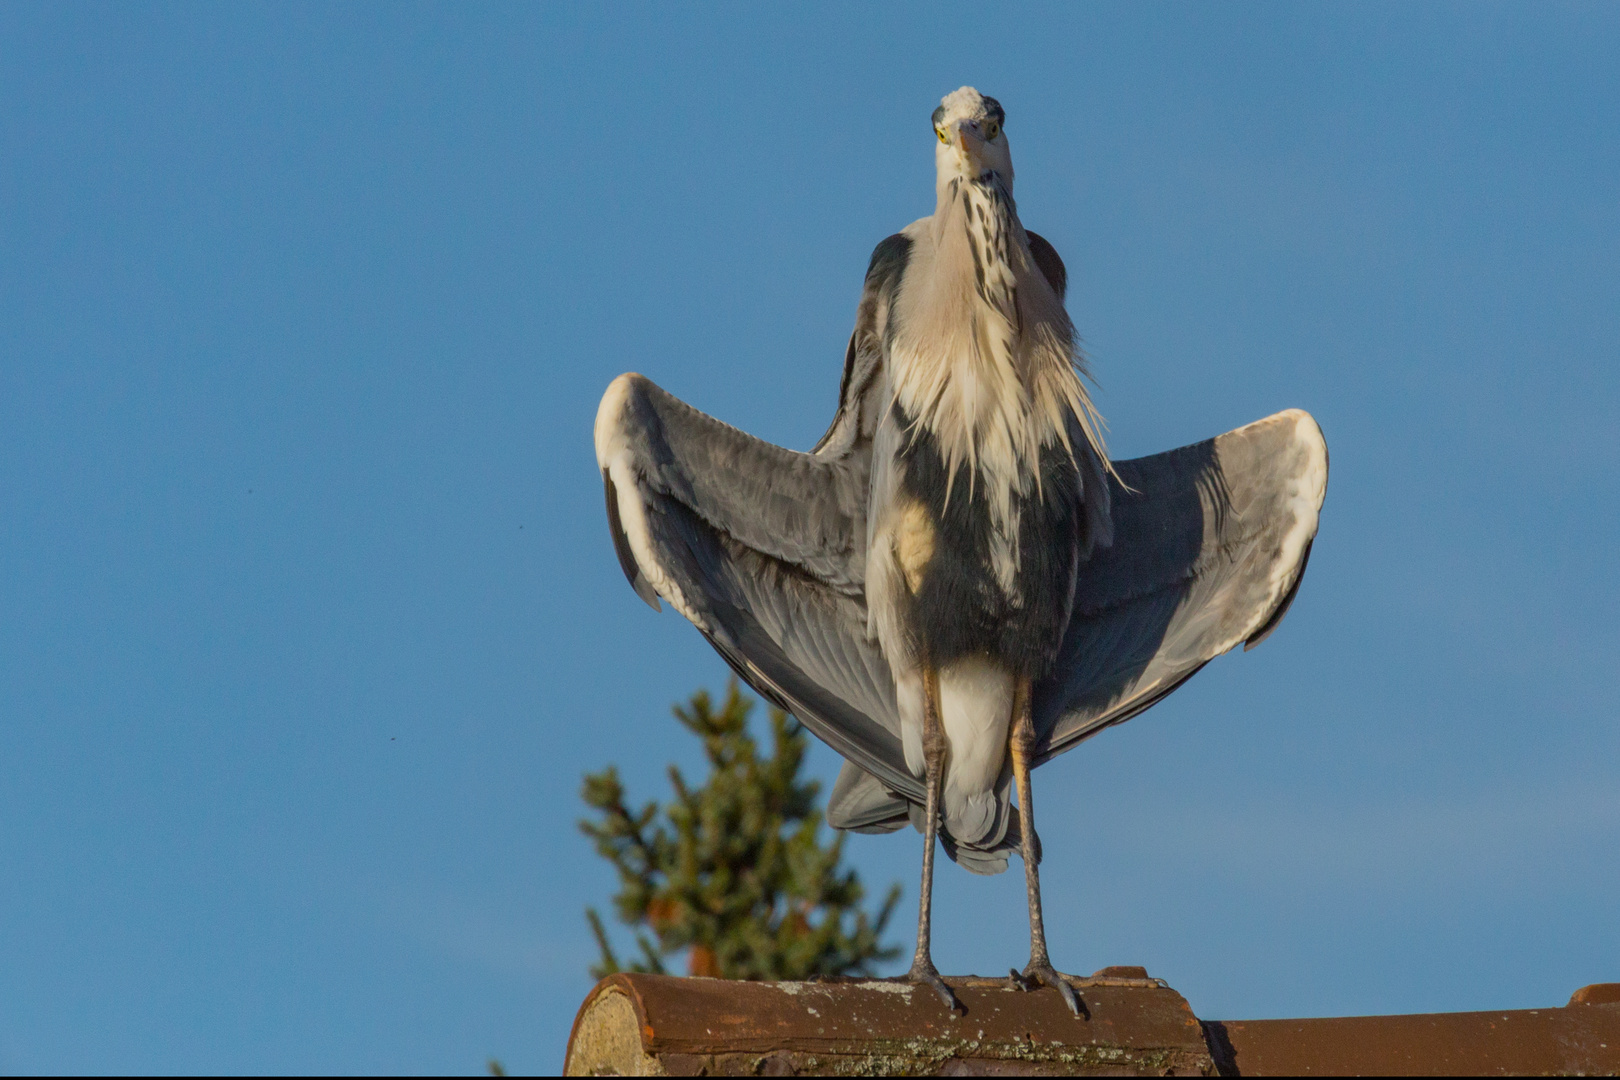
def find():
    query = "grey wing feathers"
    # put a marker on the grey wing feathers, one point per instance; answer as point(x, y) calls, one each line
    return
point(805, 510)
point(1049, 262)
point(860, 803)
point(850, 434)
point(763, 550)
point(1210, 542)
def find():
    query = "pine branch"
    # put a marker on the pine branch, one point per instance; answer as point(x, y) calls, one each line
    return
point(610, 963)
point(734, 873)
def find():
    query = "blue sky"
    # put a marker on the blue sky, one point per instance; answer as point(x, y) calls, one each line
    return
point(311, 622)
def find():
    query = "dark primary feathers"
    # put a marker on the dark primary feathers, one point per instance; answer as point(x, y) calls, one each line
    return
point(763, 549)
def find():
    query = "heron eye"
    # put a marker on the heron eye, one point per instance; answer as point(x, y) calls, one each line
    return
point(941, 133)
point(991, 130)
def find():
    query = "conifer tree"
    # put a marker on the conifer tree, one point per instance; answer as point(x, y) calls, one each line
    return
point(734, 872)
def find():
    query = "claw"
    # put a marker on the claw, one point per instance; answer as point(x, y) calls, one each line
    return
point(926, 974)
point(1043, 974)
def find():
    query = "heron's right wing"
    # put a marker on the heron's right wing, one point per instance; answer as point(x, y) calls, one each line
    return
point(763, 549)
point(1210, 545)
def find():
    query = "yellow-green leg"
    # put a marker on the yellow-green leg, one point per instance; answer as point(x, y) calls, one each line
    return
point(1021, 741)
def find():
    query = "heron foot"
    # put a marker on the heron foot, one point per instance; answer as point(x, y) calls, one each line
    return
point(923, 972)
point(1041, 973)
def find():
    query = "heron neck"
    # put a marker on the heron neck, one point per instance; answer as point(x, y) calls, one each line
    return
point(953, 185)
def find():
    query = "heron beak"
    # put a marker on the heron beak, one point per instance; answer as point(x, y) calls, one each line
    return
point(968, 140)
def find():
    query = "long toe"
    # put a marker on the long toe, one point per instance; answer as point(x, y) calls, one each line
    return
point(1044, 974)
point(926, 975)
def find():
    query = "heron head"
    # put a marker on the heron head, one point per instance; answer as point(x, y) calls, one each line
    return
point(971, 141)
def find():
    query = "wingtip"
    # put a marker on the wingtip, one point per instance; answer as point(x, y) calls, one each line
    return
point(605, 433)
point(1308, 433)
point(1311, 491)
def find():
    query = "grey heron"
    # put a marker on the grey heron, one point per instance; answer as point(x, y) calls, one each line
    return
point(955, 584)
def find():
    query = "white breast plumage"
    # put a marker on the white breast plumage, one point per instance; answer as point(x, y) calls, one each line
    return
point(983, 355)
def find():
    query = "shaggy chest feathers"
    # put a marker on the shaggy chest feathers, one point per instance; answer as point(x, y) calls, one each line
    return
point(975, 584)
point(990, 438)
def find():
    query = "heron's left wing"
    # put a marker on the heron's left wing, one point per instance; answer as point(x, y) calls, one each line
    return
point(763, 549)
point(1210, 545)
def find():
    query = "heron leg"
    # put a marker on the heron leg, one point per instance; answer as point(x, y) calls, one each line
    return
point(935, 748)
point(1039, 972)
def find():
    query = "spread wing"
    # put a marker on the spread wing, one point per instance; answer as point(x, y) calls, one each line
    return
point(1210, 545)
point(763, 549)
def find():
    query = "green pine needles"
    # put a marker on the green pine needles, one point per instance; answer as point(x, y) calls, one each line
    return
point(734, 872)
